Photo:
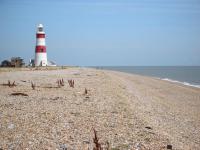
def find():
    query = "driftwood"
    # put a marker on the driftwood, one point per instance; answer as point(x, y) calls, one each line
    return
point(51, 87)
point(19, 94)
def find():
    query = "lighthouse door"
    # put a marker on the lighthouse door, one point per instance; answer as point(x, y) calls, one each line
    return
point(44, 63)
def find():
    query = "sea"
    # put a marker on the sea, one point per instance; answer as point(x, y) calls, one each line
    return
point(187, 75)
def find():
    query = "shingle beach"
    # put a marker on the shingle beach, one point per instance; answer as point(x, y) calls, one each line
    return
point(128, 111)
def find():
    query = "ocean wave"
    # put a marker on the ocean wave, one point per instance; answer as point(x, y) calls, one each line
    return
point(184, 83)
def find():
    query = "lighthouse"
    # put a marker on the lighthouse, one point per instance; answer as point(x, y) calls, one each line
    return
point(40, 48)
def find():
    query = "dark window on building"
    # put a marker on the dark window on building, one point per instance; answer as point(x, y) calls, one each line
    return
point(40, 29)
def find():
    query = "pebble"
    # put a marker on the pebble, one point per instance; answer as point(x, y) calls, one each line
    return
point(63, 147)
point(11, 126)
point(169, 146)
point(137, 146)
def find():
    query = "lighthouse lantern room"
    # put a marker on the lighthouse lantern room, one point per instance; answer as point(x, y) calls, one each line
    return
point(40, 49)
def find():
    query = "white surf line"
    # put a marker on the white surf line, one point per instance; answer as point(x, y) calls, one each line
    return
point(183, 83)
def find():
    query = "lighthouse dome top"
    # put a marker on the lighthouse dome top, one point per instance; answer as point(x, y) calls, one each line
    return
point(40, 25)
point(40, 28)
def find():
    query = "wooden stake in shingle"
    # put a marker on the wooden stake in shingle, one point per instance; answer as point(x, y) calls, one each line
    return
point(63, 83)
point(58, 82)
point(96, 141)
point(71, 83)
point(33, 85)
point(9, 84)
point(86, 91)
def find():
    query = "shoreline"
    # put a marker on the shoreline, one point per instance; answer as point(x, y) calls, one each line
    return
point(166, 78)
point(179, 82)
point(4, 69)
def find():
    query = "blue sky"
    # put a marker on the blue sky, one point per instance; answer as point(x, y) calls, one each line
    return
point(104, 32)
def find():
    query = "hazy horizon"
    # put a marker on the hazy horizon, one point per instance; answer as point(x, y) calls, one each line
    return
point(104, 33)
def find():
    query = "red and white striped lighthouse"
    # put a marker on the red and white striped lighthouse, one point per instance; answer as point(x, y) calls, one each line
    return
point(40, 49)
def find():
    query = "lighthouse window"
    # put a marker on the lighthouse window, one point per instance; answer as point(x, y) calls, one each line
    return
point(40, 29)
